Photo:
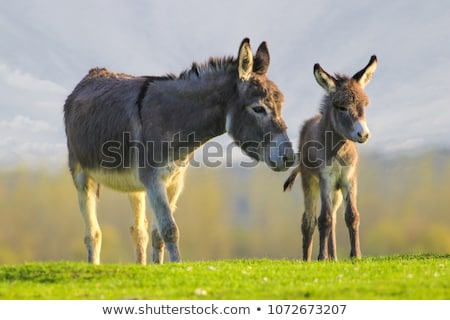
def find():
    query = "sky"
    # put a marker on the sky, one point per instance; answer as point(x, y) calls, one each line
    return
point(48, 46)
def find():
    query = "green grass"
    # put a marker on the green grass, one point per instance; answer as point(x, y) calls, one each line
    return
point(395, 277)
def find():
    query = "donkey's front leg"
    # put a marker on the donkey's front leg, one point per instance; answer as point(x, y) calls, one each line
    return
point(352, 219)
point(166, 227)
point(325, 225)
point(157, 244)
point(325, 221)
point(337, 200)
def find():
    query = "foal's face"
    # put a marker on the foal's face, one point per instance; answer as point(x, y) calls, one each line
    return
point(348, 100)
point(254, 120)
point(347, 112)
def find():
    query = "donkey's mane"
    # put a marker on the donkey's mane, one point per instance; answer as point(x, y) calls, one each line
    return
point(214, 64)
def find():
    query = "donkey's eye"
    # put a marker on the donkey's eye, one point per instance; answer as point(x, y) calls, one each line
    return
point(343, 109)
point(259, 109)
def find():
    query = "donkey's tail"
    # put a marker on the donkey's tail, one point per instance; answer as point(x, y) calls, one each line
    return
point(290, 181)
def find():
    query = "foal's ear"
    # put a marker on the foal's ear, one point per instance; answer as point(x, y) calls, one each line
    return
point(365, 75)
point(324, 79)
point(262, 59)
point(245, 60)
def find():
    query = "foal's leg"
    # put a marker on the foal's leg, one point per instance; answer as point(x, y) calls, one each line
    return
point(352, 217)
point(87, 201)
point(325, 221)
point(337, 200)
point(309, 219)
point(139, 231)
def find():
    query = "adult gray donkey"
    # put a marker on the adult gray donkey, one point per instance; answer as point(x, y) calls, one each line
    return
point(136, 134)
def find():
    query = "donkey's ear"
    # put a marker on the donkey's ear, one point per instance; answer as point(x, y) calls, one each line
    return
point(324, 79)
point(245, 60)
point(262, 59)
point(365, 75)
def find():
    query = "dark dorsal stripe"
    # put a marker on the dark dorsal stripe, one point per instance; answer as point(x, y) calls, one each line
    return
point(144, 87)
point(142, 93)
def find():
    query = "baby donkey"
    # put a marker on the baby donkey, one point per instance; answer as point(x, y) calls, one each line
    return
point(328, 159)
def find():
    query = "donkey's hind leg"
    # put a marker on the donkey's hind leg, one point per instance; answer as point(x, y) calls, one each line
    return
point(87, 201)
point(139, 229)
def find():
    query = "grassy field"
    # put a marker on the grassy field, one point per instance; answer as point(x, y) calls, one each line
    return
point(394, 277)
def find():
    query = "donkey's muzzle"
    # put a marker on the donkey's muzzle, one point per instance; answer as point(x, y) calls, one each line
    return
point(280, 155)
point(361, 132)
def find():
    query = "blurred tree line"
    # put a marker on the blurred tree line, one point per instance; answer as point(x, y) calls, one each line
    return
point(232, 212)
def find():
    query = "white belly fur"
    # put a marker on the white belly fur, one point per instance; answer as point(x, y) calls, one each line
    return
point(125, 181)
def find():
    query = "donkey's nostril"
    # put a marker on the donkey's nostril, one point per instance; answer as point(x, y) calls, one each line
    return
point(362, 137)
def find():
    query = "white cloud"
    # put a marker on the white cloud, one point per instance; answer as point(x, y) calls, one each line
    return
point(39, 148)
point(23, 123)
point(30, 141)
point(37, 151)
point(14, 151)
point(22, 80)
